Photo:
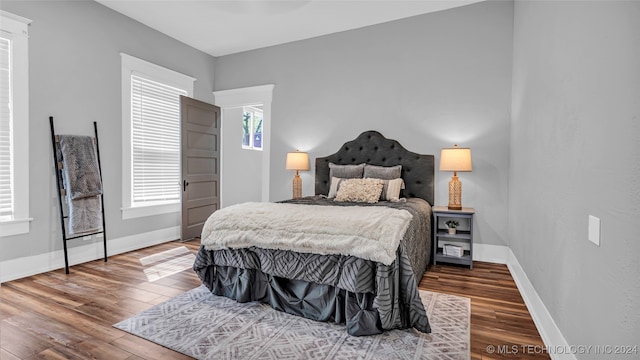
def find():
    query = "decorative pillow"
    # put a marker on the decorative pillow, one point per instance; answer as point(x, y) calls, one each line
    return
point(391, 190)
point(360, 190)
point(382, 172)
point(346, 171)
point(335, 185)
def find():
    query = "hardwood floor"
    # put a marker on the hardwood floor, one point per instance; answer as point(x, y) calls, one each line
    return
point(501, 326)
point(59, 316)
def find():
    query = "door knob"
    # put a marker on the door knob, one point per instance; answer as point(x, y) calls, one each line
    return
point(185, 183)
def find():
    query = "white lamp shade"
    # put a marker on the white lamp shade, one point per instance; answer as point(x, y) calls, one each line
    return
point(455, 159)
point(297, 161)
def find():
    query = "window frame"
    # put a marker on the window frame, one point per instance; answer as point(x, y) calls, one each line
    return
point(16, 29)
point(252, 134)
point(133, 66)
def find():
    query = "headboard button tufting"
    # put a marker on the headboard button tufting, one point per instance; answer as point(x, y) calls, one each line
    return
point(378, 150)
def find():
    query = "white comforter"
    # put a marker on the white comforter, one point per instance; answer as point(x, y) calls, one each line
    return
point(371, 232)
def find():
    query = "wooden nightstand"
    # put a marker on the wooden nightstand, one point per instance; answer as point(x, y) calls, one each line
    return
point(462, 238)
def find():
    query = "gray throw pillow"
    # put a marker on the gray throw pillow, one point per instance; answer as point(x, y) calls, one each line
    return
point(346, 171)
point(382, 172)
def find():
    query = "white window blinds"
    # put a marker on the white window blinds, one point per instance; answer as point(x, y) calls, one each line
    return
point(6, 148)
point(155, 115)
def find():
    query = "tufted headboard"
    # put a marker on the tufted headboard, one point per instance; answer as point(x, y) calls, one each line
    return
point(373, 148)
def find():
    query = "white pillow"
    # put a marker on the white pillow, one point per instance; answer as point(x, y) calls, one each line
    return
point(391, 189)
point(360, 190)
point(335, 185)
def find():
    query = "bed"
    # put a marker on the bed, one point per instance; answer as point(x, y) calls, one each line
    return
point(368, 288)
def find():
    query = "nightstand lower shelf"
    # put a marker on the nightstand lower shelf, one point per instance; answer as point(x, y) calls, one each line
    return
point(460, 260)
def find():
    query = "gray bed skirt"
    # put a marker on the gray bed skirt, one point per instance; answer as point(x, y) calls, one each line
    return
point(379, 298)
point(368, 297)
point(298, 297)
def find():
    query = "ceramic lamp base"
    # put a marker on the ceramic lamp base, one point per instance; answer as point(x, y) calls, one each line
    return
point(297, 186)
point(455, 193)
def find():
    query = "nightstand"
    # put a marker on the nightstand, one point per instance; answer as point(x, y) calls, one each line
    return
point(463, 237)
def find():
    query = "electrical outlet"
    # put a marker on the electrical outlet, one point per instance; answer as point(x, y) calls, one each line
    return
point(594, 230)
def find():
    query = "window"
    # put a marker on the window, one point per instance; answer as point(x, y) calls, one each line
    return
point(155, 112)
point(14, 124)
point(151, 137)
point(252, 128)
point(6, 143)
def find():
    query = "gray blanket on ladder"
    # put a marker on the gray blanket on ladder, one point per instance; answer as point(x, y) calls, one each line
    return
point(83, 184)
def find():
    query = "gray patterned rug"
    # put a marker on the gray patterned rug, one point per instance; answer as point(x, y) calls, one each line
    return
point(205, 326)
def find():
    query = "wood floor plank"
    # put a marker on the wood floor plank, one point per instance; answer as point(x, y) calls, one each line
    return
point(44, 291)
point(51, 331)
point(7, 310)
point(499, 317)
point(146, 349)
point(59, 316)
point(5, 355)
point(55, 312)
point(135, 357)
point(20, 343)
point(102, 350)
point(105, 313)
point(160, 289)
point(160, 300)
point(133, 305)
point(62, 352)
point(52, 354)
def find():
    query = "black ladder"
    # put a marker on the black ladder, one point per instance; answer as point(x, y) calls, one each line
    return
point(57, 164)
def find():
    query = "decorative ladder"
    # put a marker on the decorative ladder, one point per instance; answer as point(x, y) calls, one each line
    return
point(57, 163)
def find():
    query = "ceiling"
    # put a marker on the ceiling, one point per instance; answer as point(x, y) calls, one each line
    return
point(220, 27)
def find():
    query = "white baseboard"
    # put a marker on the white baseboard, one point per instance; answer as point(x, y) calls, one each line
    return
point(37, 264)
point(549, 331)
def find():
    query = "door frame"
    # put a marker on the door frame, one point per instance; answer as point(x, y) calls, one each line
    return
point(234, 98)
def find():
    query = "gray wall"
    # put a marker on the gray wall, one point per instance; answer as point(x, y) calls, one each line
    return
point(74, 65)
point(241, 169)
point(429, 81)
point(575, 151)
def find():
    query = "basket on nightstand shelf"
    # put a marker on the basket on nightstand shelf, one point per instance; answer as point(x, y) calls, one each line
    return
point(453, 250)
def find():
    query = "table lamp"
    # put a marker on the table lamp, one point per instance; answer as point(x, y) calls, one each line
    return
point(455, 159)
point(298, 161)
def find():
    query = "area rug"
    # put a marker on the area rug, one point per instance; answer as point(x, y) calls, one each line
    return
point(206, 326)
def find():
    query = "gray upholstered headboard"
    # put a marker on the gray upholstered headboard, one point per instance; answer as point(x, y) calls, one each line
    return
point(373, 148)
